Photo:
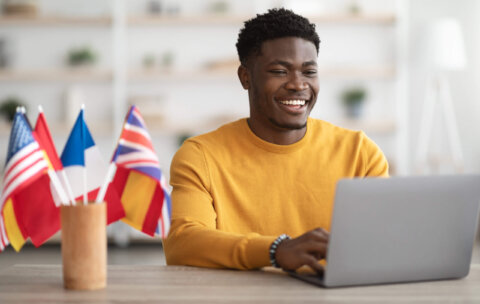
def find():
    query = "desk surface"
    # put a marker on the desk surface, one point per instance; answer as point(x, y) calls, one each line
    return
point(171, 284)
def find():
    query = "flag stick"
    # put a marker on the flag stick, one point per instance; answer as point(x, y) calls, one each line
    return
point(112, 168)
point(85, 199)
point(58, 188)
point(69, 188)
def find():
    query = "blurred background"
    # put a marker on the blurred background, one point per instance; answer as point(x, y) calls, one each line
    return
point(405, 72)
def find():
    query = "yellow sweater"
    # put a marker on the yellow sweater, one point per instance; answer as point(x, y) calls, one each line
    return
point(234, 193)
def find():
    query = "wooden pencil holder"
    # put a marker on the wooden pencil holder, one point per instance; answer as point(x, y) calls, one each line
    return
point(84, 246)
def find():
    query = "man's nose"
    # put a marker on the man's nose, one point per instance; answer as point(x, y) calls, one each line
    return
point(296, 82)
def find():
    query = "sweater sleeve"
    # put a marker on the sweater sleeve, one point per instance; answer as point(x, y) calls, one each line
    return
point(194, 238)
point(375, 162)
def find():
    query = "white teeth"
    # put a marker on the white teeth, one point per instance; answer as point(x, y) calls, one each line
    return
point(293, 102)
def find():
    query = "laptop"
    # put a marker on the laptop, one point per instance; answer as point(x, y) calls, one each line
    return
point(400, 229)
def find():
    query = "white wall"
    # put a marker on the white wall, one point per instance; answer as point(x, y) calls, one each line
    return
point(186, 101)
point(465, 84)
point(45, 47)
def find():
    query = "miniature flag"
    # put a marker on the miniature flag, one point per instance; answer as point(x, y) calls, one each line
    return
point(85, 169)
point(138, 179)
point(42, 135)
point(11, 229)
point(164, 222)
point(36, 209)
point(27, 206)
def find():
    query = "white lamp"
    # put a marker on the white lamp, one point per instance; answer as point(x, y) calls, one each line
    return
point(447, 53)
point(447, 46)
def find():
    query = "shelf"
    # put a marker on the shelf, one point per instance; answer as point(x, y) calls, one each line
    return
point(370, 72)
point(56, 75)
point(206, 19)
point(158, 124)
point(229, 74)
point(186, 20)
point(152, 75)
point(379, 19)
point(55, 20)
point(377, 127)
point(97, 128)
point(147, 75)
point(61, 128)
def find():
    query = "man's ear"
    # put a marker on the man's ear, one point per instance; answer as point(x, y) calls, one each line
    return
point(244, 77)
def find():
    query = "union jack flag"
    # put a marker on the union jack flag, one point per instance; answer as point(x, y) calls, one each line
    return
point(25, 163)
point(135, 149)
point(139, 180)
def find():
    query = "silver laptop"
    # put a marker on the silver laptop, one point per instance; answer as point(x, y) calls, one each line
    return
point(401, 229)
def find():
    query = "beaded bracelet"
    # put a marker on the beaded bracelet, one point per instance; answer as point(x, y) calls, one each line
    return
point(273, 249)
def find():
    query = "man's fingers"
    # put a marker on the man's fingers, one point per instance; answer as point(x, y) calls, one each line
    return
point(319, 256)
point(315, 247)
point(306, 249)
point(313, 263)
point(324, 234)
point(319, 235)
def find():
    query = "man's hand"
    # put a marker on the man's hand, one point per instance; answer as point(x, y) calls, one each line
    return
point(306, 249)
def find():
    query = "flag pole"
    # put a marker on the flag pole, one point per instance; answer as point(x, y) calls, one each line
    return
point(69, 188)
point(112, 168)
point(58, 188)
point(85, 198)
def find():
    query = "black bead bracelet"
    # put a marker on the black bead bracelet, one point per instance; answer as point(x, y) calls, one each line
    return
point(273, 249)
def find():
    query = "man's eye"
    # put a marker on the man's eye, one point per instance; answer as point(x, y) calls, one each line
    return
point(310, 73)
point(278, 72)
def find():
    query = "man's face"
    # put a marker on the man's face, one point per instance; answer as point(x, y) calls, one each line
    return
point(283, 84)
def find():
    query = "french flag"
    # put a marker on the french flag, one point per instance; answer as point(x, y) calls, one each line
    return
point(85, 169)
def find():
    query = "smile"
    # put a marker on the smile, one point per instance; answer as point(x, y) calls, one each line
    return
point(293, 106)
point(298, 102)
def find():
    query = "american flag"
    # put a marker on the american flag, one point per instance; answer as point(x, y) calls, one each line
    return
point(25, 163)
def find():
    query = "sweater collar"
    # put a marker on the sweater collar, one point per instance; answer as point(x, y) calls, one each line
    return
point(268, 146)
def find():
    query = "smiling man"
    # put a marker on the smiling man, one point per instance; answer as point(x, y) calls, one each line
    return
point(282, 88)
point(259, 191)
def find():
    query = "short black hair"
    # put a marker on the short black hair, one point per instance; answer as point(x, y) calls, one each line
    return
point(276, 23)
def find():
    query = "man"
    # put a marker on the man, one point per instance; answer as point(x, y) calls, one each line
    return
point(238, 190)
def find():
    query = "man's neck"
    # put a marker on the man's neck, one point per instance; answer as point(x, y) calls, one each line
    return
point(276, 135)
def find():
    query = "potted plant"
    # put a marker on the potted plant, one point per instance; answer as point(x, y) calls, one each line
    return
point(8, 107)
point(81, 57)
point(353, 99)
